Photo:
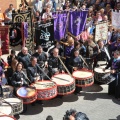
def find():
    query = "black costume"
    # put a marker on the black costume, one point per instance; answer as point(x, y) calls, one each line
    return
point(54, 65)
point(10, 58)
point(41, 58)
point(33, 72)
point(25, 59)
point(114, 87)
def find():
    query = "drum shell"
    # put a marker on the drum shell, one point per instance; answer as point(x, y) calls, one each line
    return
point(84, 82)
point(46, 91)
point(28, 99)
point(65, 89)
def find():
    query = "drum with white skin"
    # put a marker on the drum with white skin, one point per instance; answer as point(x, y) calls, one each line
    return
point(99, 73)
point(65, 83)
point(17, 105)
point(101, 63)
point(83, 77)
point(5, 117)
point(45, 90)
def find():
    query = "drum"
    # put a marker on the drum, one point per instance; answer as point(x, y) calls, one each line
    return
point(99, 73)
point(7, 91)
point(65, 83)
point(45, 90)
point(6, 109)
point(27, 94)
point(83, 77)
point(100, 63)
point(17, 105)
point(5, 117)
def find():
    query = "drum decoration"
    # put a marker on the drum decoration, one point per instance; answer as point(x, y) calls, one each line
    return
point(7, 91)
point(17, 105)
point(27, 94)
point(45, 90)
point(65, 83)
point(99, 73)
point(6, 109)
point(5, 117)
point(83, 77)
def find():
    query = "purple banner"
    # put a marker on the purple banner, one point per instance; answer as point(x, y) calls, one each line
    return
point(25, 30)
point(60, 20)
point(77, 22)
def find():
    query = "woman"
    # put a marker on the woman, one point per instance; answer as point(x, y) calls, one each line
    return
point(19, 78)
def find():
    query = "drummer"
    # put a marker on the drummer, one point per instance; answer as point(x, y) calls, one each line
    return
point(54, 64)
point(41, 57)
point(34, 72)
point(76, 63)
point(114, 64)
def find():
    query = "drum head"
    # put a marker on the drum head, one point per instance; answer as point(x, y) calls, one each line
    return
point(26, 92)
point(101, 62)
point(40, 85)
point(100, 69)
point(82, 74)
point(62, 79)
point(13, 100)
point(6, 109)
point(3, 117)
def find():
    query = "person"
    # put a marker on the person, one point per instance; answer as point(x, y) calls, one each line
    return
point(54, 64)
point(76, 63)
point(19, 78)
point(49, 117)
point(41, 57)
point(11, 57)
point(114, 64)
point(37, 17)
point(47, 15)
point(24, 57)
point(34, 72)
point(48, 4)
point(8, 14)
point(10, 70)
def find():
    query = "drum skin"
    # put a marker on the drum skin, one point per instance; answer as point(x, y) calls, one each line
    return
point(46, 93)
point(67, 88)
point(83, 81)
point(28, 99)
point(5, 117)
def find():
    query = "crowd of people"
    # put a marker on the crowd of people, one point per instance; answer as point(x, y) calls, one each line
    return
point(26, 68)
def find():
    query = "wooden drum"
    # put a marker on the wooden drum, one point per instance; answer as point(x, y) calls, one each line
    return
point(99, 73)
point(45, 90)
point(27, 94)
point(5, 117)
point(84, 78)
point(17, 105)
point(65, 83)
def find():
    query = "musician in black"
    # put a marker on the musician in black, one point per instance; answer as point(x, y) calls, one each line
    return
point(41, 57)
point(24, 57)
point(34, 71)
point(114, 64)
point(76, 63)
point(19, 78)
point(54, 64)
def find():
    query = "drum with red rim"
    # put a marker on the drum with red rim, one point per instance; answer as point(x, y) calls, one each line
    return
point(65, 83)
point(45, 89)
point(83, 77)
point(27, 94)
point(5, 117)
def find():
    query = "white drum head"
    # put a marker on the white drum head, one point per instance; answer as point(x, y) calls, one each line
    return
point(101, 62)
point(6, 118)
point(13, 100)
point(82, 74)
point(5, 108)
point(44, 84)
point(62, 79)
point(100, 69)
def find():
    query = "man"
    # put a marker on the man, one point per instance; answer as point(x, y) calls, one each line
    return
point(41, 57)
point(38, 6)
point(24, 57)
point(34, 71)
point(47, 15)
point(8, 14)
point(54, 64)
point(114, 64)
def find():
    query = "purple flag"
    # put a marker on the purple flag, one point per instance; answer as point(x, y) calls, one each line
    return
point(77, 22)
point(60, 20)
point(25, 30)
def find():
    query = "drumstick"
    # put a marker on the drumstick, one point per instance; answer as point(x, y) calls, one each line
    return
point(83, 60)
point(62, 79)
point(65, 66)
